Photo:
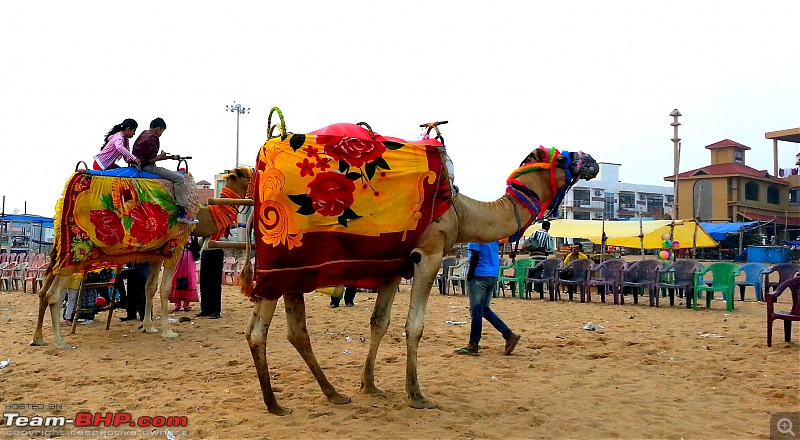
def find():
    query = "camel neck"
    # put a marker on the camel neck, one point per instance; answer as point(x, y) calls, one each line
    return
point(489, 221)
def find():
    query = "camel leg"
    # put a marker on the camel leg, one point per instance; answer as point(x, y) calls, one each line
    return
point(166, 287)
point(149, 292)
point(298, 336)
point(424, 274)
point(51, 295)
point(379, 322)
point(256, 335)
point(38, 339)
point(55, 297)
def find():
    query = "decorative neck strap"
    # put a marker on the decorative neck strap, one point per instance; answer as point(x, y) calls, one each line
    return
point(224, 216)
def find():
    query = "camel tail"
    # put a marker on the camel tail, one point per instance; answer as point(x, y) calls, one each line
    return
point(246, 276)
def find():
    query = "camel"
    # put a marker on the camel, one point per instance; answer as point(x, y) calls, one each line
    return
point(237, 182)
point(466, 220)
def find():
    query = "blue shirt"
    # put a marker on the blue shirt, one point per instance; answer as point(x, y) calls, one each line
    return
point(488, 259)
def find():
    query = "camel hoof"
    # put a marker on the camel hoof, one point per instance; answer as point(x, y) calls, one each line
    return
point(420, 402)
point(279, 411)
point(339, 399)
point(65, 346)
point(169, 334)
point(372, 390)
point(38, 343)
point(151, 329)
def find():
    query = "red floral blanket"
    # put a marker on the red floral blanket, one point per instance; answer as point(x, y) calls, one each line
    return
point(106, 221)
point(337, 207)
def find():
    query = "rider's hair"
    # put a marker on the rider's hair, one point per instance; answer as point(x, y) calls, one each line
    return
point(158, 123)
point(128, 123)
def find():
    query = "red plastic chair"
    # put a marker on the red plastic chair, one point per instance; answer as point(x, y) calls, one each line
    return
point(793, 284)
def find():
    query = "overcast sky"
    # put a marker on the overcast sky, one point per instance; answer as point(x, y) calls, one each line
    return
point(597, 76)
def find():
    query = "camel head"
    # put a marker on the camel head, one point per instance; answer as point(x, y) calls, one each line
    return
point(238, 180)
point(546, 190)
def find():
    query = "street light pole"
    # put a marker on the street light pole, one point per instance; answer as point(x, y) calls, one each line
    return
point(676, 160)
point(239, 110)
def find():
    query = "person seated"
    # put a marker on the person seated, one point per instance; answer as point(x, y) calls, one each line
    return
point(146, 149)
point(115, 145)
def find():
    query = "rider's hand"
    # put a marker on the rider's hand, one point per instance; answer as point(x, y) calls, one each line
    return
point(138, 161)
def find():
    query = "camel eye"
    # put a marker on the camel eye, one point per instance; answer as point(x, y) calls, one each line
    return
point(561, 160)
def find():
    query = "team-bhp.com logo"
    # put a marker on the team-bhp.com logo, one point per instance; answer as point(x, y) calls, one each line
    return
point(14, 421)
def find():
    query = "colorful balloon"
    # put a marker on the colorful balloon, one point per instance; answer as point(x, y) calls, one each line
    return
point(676, 245)
point(665, 236)
point(666, 244)
point(663, 255)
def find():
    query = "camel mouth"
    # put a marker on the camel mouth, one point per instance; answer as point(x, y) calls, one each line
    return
point(583, 166)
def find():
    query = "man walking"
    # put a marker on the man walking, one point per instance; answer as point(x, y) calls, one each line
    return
point(484, 265)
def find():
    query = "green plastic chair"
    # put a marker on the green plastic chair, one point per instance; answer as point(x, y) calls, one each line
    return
point(517, 281)
point(723, 279)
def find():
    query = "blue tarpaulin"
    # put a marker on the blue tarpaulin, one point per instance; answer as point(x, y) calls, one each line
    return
point(47, 222)
point(717, 231)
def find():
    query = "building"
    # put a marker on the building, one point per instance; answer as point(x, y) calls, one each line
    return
point(606, 197)
point(204, 191)
point(728, 190)
point(25, 233)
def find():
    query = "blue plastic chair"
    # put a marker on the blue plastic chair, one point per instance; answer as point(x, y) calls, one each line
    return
point(753, 277)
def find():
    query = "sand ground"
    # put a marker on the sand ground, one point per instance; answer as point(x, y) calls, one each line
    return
point(648, 373)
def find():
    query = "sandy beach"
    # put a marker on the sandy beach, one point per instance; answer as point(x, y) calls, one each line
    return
point(662, 372)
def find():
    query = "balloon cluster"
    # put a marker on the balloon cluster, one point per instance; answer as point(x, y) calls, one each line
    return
point(668, 246)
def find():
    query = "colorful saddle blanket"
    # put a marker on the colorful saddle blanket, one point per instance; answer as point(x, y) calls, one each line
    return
point(339, 207)
point(105, 221)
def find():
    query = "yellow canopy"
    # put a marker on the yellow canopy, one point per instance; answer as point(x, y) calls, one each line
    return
point(626, 233)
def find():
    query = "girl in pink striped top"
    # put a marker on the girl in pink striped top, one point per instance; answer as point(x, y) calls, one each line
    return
point(116, 146)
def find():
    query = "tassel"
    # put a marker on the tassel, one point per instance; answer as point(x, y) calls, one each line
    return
point(246, 277)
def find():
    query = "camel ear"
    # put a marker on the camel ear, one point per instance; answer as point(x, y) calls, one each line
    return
point(539, 155)
point(536, 156)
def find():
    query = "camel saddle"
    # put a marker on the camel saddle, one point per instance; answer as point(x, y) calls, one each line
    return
point(111, 218)
point(343, 206)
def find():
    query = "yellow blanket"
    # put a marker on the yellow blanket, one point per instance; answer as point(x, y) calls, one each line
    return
point(342, 210)
point(105, 221)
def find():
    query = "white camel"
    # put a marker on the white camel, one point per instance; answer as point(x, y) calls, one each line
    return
point(51, 293)
point(467, 220)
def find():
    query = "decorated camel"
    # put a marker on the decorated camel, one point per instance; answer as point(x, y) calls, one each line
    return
point(345, 206)
point(104, 221)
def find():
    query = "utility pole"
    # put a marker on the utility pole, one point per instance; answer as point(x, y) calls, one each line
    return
point(239, 110)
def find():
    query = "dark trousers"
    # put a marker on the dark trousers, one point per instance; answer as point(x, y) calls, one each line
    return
point(134, 294)
point(349, 296)
point(211, 281)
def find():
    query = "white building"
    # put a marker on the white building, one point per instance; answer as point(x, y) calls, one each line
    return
point(606, 197)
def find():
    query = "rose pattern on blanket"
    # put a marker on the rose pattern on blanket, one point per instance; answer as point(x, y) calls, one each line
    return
point(372, 195)
point(109, 220)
